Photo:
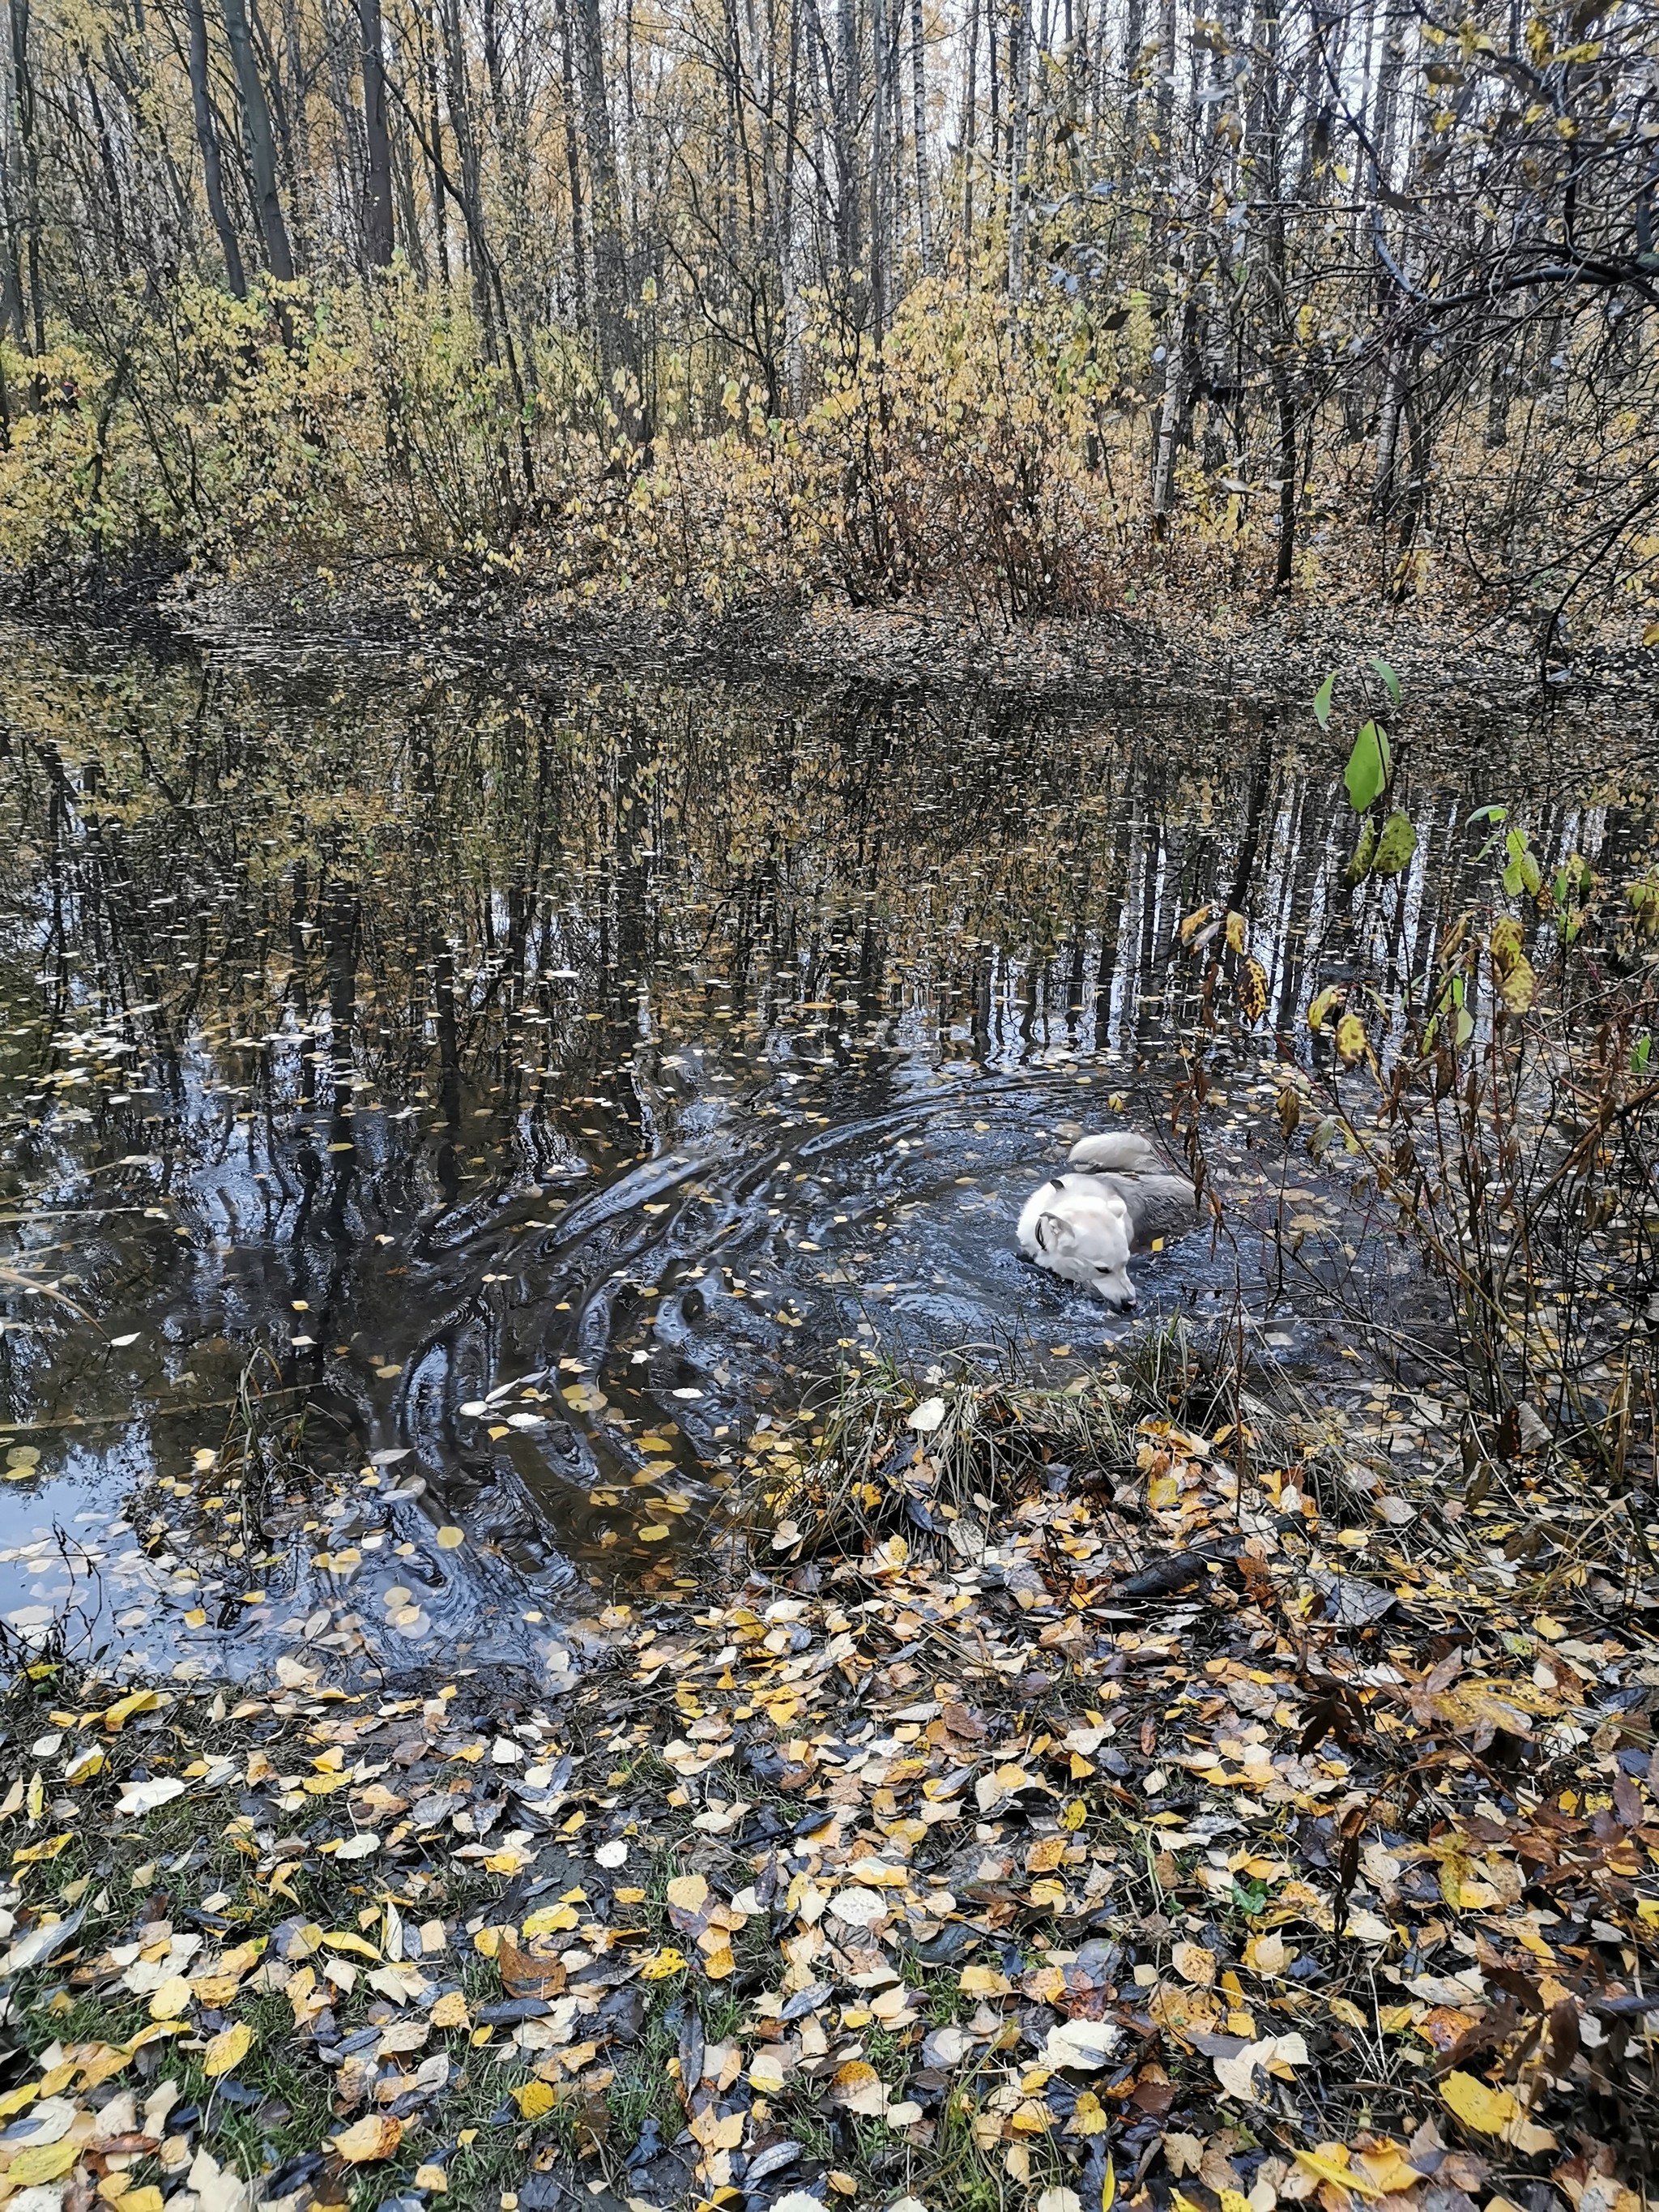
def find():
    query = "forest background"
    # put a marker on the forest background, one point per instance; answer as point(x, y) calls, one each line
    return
point(1016, 307)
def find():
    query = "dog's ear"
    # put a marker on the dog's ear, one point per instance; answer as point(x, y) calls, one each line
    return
point(1054, 1233)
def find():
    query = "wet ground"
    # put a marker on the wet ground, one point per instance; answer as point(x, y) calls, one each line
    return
point(449, 1118)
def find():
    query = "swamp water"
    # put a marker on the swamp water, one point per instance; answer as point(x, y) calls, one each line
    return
point(451, 1118)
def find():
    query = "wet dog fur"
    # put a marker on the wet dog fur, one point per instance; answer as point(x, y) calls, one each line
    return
point(1083, 1226)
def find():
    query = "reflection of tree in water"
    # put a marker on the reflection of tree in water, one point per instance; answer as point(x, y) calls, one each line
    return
point(356, 975)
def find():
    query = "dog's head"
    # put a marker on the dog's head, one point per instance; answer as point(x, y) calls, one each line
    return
point(1094, 1252)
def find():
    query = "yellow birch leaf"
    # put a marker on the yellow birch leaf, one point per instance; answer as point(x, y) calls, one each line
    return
point(42, 2162)
point(1488, 2110)
point(227, 2049)
point(1330, 2163)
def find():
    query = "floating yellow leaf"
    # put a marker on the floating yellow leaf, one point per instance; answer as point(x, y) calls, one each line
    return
point(1487, 2109)
point(227, 2049)
point(450, 1538)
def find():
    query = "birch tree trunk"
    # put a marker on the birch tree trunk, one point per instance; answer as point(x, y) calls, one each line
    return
point(618, 363)
point(1020, 123)
point(879, 202)
point(919, 131)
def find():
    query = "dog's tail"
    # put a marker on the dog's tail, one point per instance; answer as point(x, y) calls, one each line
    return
point(1115, 1151)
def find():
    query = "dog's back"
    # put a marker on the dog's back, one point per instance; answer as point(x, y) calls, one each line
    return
point(1160, 1205)
point(1121, 1151)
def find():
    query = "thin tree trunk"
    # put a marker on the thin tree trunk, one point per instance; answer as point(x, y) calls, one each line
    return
point(1177, 354)
point(878, 200)
point(377, 141)
point(1019, 122)
point(1387, 430)
point(919, 131)
point(573, 171)
point(618, 363)
point(844, 107)
point(261, 143)
point(969, 139)
point(111, 173)
point(207, 135)
point(25, 181)
point(435, 143)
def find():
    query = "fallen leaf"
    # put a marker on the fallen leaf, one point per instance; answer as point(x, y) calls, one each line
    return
point(376, 2135)
point(1488, 2110)
point(226, 2050)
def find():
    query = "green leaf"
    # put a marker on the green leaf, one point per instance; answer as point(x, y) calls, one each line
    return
point(1321, 704)
point(1366, 775)
point(1487, 814)
point(1388, 677)
point(1394, 847)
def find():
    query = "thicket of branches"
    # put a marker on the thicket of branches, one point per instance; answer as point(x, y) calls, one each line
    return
point(1031, 299)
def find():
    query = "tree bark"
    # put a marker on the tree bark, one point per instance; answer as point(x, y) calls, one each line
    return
point(573, 156)
point(207, 136)
point(919, 131)
point(618, 358)
point(261, 141)
point(377, 140)
point(878, 203)
point(969, 139)
point(1019, 123)
point(23, 184)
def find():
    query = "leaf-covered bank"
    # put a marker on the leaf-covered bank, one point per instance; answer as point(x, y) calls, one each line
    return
point(1242, 1826)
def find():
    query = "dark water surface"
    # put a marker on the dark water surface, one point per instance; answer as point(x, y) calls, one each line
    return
point(449, 1116)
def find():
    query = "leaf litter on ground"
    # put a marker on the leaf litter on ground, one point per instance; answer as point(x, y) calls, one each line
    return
point(1140, 1791)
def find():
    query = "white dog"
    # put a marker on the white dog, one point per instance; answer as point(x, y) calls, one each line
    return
point(1083, 1227)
